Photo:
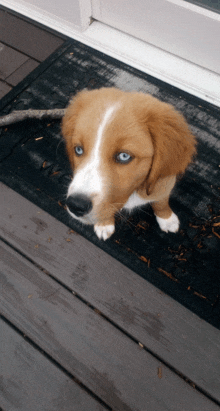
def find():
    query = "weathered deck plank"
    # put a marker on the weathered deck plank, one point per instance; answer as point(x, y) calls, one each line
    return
point(26, 37)
point(170, 331)
point(111, 365)
point(29, 381)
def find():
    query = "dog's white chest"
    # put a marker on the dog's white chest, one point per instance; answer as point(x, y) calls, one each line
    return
point(135, 201)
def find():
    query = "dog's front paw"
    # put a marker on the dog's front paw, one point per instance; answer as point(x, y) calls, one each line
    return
point(104, 231)
point(169, 224)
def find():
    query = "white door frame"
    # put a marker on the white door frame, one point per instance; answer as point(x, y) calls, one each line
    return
point(72, 14)
point(179, 27)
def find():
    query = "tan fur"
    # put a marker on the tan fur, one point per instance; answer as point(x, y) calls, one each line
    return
point(174, 145)
point(154, 133)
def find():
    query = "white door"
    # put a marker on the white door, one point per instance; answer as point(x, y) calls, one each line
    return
point(179, 27)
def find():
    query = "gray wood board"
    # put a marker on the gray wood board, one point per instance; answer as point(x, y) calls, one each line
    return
point(26, 37)
point(170, 331)
point(30, 382)
point(115, 368)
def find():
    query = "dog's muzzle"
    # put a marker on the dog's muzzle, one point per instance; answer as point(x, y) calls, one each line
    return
point(79, 204)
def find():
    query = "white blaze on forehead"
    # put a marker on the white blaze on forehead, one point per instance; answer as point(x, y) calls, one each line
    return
point(88, 180)
point(107, 117)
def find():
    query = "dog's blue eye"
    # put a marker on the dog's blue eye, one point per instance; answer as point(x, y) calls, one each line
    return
point(79, 150)
point(123, 158)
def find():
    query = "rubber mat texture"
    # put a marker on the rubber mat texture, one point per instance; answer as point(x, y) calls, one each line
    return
point(34, 163)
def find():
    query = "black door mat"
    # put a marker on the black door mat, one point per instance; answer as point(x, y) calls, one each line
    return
point(33, 162)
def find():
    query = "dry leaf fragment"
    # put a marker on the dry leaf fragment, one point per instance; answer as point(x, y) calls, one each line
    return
point(141, 345)
point(159, 372)
point(199, 295)
point(168, 274)
point(55, 173)
point(142, 258)
point(216, 234)
point(97, 311)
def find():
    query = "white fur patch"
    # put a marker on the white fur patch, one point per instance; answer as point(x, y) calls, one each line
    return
point(135, 201)
point(103, 232)
point(169, 224)
point(88, 180)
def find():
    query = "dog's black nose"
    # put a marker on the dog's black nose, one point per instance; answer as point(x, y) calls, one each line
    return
point(79, 204)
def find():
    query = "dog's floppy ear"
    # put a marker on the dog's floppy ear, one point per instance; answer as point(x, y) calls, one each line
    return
point(174, 145)
point(69, 120)
point(72, 111)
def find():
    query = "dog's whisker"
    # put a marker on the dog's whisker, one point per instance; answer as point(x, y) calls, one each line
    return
point(61, 141)
point(124, 218)
point(144, 211)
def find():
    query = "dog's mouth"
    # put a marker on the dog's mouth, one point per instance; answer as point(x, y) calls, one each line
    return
point(86, 219)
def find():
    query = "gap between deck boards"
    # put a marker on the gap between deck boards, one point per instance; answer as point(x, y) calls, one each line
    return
point(168, 330)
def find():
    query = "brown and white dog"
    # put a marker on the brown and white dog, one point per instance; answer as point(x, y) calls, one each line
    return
point(126, 149)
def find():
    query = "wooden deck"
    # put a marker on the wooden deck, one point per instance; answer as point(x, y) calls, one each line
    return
point(80, 331)
point(23, 46)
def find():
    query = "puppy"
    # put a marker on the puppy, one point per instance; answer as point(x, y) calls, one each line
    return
point(126, 149)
